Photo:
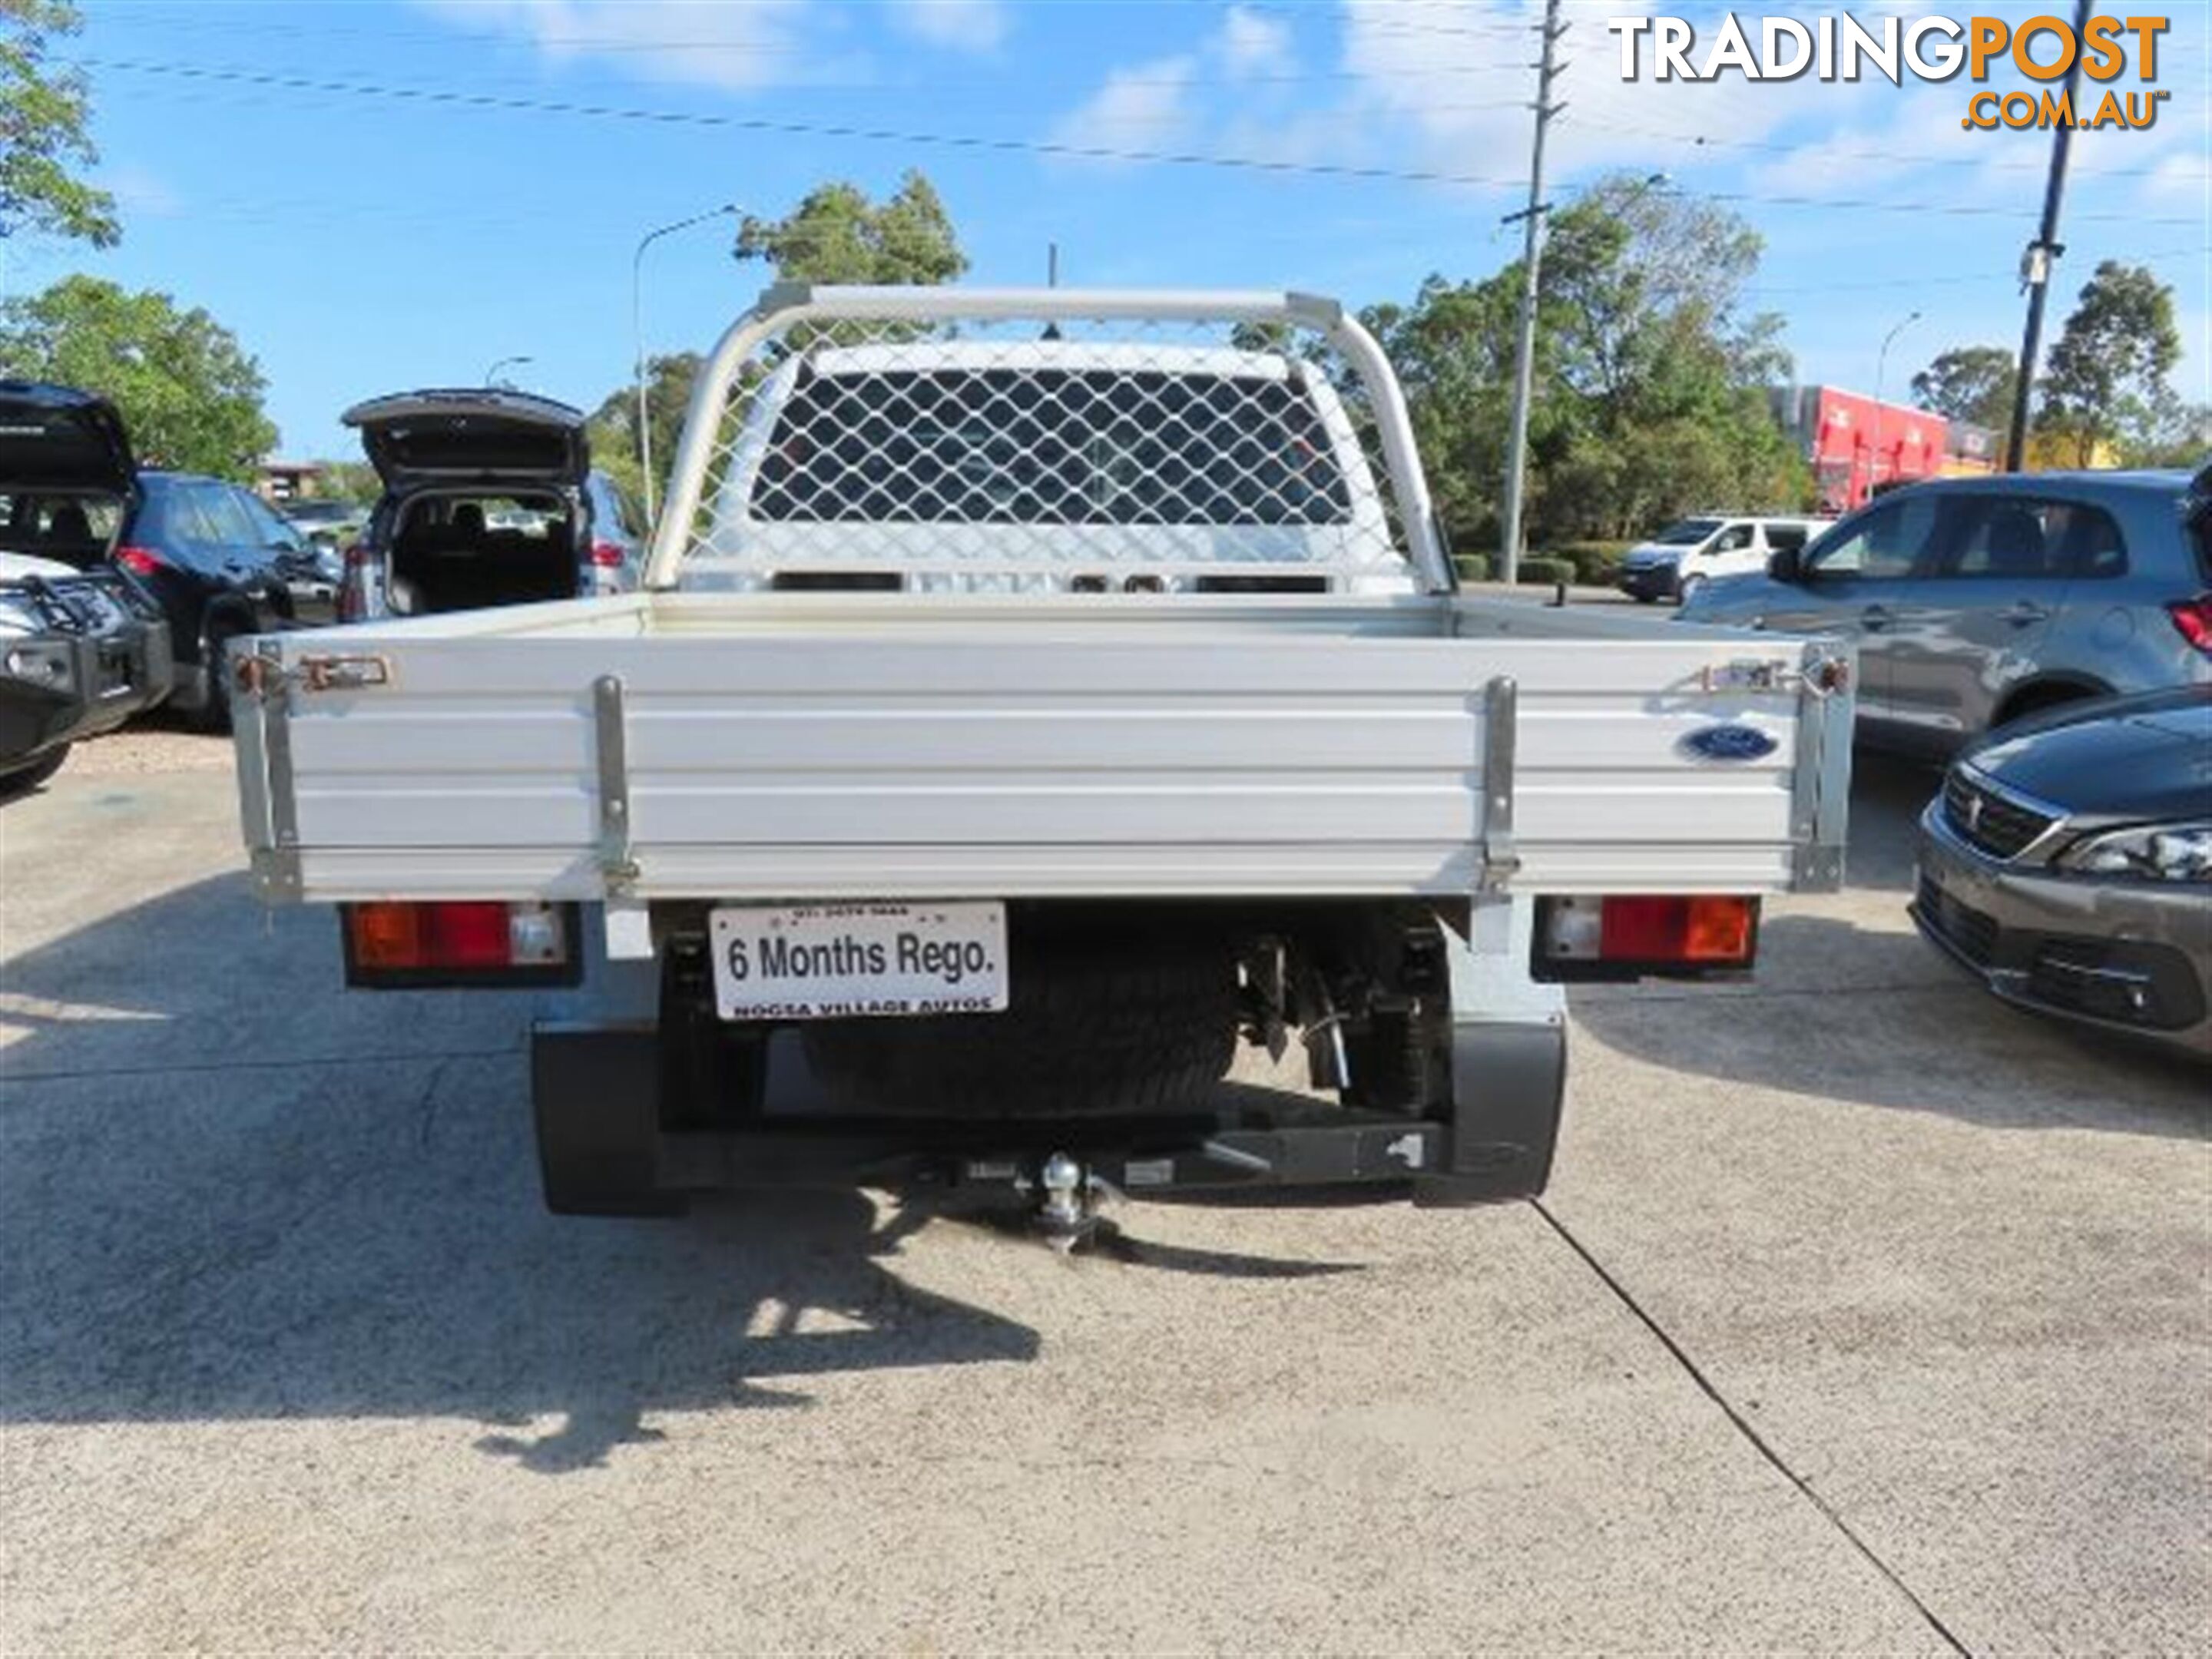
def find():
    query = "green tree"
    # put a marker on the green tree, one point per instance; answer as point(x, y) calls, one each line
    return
point(1651, 379)
point(1974, 384)
point(613, 425)
point(45, 141)
point(190, 394)
point(2105, 381)
point(354, 482)
point(837, 234)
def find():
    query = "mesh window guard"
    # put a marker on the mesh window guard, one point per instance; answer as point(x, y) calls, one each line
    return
point(1047, 439)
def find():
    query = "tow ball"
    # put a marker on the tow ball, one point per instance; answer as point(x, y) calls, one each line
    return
point(1067, 1195)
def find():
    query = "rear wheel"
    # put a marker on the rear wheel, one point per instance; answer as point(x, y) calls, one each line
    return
point(21, 780)
point(1088, 1033)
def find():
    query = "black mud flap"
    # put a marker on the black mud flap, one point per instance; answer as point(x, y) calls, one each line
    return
point(595, 1092)
point(1508, 1081)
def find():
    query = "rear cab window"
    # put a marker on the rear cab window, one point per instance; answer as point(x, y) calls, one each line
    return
point(1060, 446)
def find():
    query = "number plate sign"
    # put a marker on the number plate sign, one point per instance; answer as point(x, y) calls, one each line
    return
point(852, 961)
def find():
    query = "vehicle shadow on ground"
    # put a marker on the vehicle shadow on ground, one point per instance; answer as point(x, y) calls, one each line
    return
point(1876, 1015)
point(1900, 1029)
point(230, 1189)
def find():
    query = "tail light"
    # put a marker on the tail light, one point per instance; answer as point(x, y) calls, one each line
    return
point(1674, 936)
point(354, 605)
point(607, 555)
point(139, 561)
point(2194, 619)
point(396, 944)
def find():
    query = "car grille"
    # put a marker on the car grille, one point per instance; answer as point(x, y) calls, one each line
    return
point(1982, 817)
point(1969, 932)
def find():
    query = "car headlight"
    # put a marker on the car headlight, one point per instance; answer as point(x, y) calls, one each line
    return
point(41, 662)
point(2154, 852)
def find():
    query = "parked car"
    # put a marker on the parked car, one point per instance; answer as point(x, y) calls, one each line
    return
point(80, 651)
point(83, 647)
point(1683, 557)
point(486, 502)
point(614, 556)
point(223, 566)
point(334, 525)
point(2068, 864)
point(1976, 601)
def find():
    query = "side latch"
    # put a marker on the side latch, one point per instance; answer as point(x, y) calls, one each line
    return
point(1500, 715)
point(617, 866)
point(275, 853)
point(265, 675)
point(1822, 677)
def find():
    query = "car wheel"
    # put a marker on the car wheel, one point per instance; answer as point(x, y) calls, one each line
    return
point(21, 780)
point(1688, 590)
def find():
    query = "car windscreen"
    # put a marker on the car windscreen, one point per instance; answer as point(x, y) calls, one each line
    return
point(1688, 533)
point(1053, 446)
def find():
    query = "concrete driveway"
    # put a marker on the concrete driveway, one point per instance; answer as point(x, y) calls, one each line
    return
point(1863, 1314)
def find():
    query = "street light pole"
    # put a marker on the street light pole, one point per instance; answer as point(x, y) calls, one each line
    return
point(1880, 366)
point(728, 209)
point(1532, 258)
point(492, 374)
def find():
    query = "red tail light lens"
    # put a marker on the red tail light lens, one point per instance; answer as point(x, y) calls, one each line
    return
point(458, 942)
point(353, 586)
point(2194, 619)
point(138, 561)
point(1676, 929)
point(607, 555)
point(1677, 935)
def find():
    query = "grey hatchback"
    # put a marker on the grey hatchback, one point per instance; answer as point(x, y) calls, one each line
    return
point(1974, 601)
point(2068, 864)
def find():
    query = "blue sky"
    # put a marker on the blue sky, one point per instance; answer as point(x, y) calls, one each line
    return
point(359, 242)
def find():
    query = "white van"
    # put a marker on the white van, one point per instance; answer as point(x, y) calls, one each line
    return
point(1672, 563)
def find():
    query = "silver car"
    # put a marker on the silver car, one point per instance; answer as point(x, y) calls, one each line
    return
point(1974, 601)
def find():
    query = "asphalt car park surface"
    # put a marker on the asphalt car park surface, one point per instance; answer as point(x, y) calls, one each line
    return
point(1864, 1312)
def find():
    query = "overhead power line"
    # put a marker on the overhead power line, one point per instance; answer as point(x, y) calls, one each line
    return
point(457, 98)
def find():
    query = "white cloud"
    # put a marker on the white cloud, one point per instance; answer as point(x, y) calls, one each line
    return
point(1143, 107)
point(962, 25)
point(697, 42)
point(1148, 106)
point(1250, 44)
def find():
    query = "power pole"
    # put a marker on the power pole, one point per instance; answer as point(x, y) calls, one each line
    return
point(2035, 264)
point(1532, 261)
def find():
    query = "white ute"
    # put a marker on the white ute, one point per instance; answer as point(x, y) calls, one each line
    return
point(1031, 694)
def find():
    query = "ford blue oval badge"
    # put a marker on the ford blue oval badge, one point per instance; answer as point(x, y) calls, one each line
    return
point(1731, 742)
